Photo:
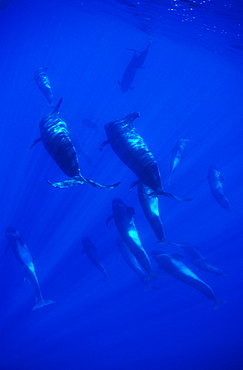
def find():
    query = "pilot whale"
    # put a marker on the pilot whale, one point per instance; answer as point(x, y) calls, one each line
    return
point(135, 63)
point(56, 139)
point(91, 251)
point(177, 154)
point(206, 266)
point(172, 264)
point(131, 260)
point(132, 150)
point(150, 207)
point(23, 255)
point(43, 83)
point(123, 217)
point(215, 180)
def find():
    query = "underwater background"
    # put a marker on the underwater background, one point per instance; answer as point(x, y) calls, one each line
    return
point(190, 86)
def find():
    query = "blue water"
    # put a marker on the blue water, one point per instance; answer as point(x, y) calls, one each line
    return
point(190, 86)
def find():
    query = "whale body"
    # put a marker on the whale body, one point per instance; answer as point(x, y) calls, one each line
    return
point(22, 253)
point(43, 83)
point(172, 264)
point(130, 147)
point(57, 141)
point(123, 217)
point(215, 180)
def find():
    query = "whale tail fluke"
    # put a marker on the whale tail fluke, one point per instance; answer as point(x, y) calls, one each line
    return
point(41, 303)
point(80, 180)
point(218, 303)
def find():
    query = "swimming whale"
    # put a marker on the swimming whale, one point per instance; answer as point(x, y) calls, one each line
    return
point(177, 154)
point(43, 83)
point(91, 251)
point(172, 264)
point(135, 63)
point(23, 255)
point(215, 180)
point(150, 207)
point(206, 266)
point(56, 139)
point(123, 217)
point(131, 260)
point(132, 150)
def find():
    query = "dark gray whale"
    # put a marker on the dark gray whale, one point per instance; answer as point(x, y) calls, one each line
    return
point(131, 260)
point(206, 266)
point(132, 150)
point(91, 251)
point(177, 154)
point(215, 180)
point(150, 207)
point(43, 83)
point(123, 217)
point(173, 265)
point(135, 63)
point(23, 255)
point(56, 139)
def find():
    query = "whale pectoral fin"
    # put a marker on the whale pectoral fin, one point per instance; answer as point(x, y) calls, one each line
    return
point(109, 219)
point(165, 194)
point(80, 180)
point(134, 184)
point(101, 146)
point(35, 142)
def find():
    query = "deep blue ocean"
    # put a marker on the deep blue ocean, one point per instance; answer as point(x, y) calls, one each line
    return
point(189, 86)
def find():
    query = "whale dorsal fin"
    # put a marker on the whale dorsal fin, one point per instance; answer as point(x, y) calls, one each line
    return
point(109, 219)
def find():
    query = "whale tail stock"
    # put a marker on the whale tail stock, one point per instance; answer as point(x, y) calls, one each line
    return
point(41, 303)
point(218, 303)
point(80, 180)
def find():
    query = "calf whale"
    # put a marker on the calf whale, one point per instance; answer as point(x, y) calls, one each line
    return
point(132, 150)
point(57, 141)
point(43, 83)
point(23, 255)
